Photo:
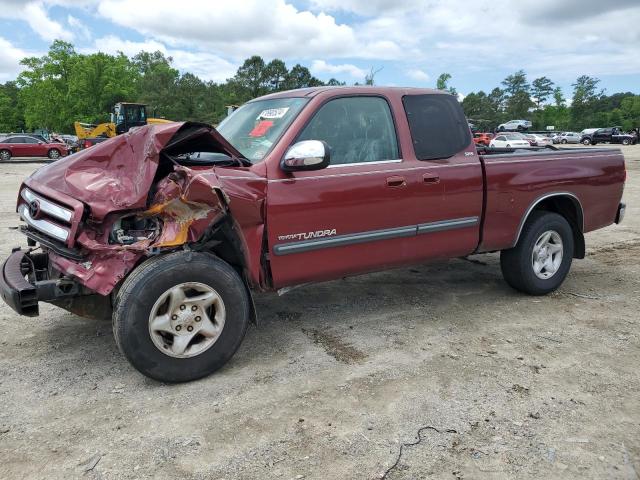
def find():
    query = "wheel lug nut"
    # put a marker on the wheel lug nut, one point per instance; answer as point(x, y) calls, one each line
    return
point(189, 328)
point(174, 317)
point(197, 319)
point(194, 308)
point(182, 307)
point(178, 328)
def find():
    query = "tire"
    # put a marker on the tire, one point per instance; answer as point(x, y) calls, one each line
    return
point(53, 154)
point(519, 128)
point(5, 155)
point(517, 263)
point(501, 129)
point(508, 146)
point(586, 141)
point(625, 141)
point(563, 141)
point(151, 351)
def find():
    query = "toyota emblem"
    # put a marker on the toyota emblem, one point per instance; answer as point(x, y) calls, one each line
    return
point(34, 209)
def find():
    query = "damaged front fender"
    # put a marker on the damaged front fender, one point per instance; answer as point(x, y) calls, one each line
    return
point(179, 208)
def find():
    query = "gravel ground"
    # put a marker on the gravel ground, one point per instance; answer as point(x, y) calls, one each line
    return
point(484, 382)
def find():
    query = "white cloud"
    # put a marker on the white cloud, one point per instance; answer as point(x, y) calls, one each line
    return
point(205, 65)
point(417, 74)
point(321, 66)
point(10, 57)
point(78, 26)
point(271, 28)
point(35, 14)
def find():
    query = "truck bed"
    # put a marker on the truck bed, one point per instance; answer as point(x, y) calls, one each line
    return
point(516, 180)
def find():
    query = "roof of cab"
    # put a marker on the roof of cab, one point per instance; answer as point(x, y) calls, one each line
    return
point(359, 90)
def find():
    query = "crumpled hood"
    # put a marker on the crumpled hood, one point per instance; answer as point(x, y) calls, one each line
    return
point(117, 174)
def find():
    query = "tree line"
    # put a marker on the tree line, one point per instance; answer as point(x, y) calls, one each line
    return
point(64, 86)
point(542, 102)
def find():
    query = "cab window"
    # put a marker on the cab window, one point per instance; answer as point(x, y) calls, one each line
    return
point(357, 129)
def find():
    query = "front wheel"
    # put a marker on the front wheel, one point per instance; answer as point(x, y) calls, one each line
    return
point(564, 141)
point(541, 260)
point(181, 316)
point(625, 141)
point(5, 155)
point(586, 141)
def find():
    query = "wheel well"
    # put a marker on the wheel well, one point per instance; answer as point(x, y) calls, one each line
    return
point(222, 240)
point(570, 208)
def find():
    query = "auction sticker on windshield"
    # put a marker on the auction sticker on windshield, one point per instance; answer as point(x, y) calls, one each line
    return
point(274, 112)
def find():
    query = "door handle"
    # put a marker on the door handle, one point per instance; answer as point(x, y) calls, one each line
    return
point(396, 181)
point(431, 178)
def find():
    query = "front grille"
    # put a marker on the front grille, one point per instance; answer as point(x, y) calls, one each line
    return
point(45, 216)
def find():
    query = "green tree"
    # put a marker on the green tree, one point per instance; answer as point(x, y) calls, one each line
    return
point(541, 90)
point(585, 97)
point(45, 89)
point(11, 119)
point(558, 97)
point(442, 83)
point(275, 73)
point(517, 90)
point(156, 83)
point(300, 77)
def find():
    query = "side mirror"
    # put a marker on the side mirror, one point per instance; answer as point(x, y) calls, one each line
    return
point(306, 155)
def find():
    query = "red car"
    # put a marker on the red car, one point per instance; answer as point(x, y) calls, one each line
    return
point(169, 230)
point(28, 146)
point(482, 138)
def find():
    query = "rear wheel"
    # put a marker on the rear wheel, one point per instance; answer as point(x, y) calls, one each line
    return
point(5, 155)
point(586, 141)
point(541, 260)
point(625, 141)
point(508, 146)
point(181, 317)
point(563, 141)
point(53, 154)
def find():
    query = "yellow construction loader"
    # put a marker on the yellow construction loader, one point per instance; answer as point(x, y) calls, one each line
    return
point(124, 117)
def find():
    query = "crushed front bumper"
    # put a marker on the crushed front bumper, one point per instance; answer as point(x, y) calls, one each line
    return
point(23, 295)
point(19, 294)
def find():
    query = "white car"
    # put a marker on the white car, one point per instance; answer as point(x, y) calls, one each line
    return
point(509, 140)
point(515, 125)
point(568, 137)
point(542, 141)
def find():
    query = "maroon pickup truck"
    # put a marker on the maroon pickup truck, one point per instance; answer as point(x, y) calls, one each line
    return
point(168, 229)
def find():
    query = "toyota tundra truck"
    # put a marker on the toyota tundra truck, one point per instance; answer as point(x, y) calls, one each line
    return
point(170, 229)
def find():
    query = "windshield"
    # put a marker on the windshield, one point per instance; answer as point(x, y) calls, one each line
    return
point(515, 136)
point(256, 126)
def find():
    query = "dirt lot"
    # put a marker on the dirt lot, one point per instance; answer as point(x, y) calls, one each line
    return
point(337, 376)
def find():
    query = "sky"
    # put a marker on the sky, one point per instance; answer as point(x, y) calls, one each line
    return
point(408, 42)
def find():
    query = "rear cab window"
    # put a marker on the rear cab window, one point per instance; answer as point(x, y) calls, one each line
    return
point(437, 124)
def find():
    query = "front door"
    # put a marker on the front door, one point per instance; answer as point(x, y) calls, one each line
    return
point(354, 216)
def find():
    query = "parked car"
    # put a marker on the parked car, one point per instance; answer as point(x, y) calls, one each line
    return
point(28, 146)
point(542, 140)
point(567, 137)
point(306, 186)
point(482, 138)
point(608, 135)
point(515, 125)
point(588, 131)
point(531, 139)
point(509, 140)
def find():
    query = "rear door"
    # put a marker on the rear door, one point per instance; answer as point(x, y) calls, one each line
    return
point(17, 146)
point(448, 224)
point(34, 148)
